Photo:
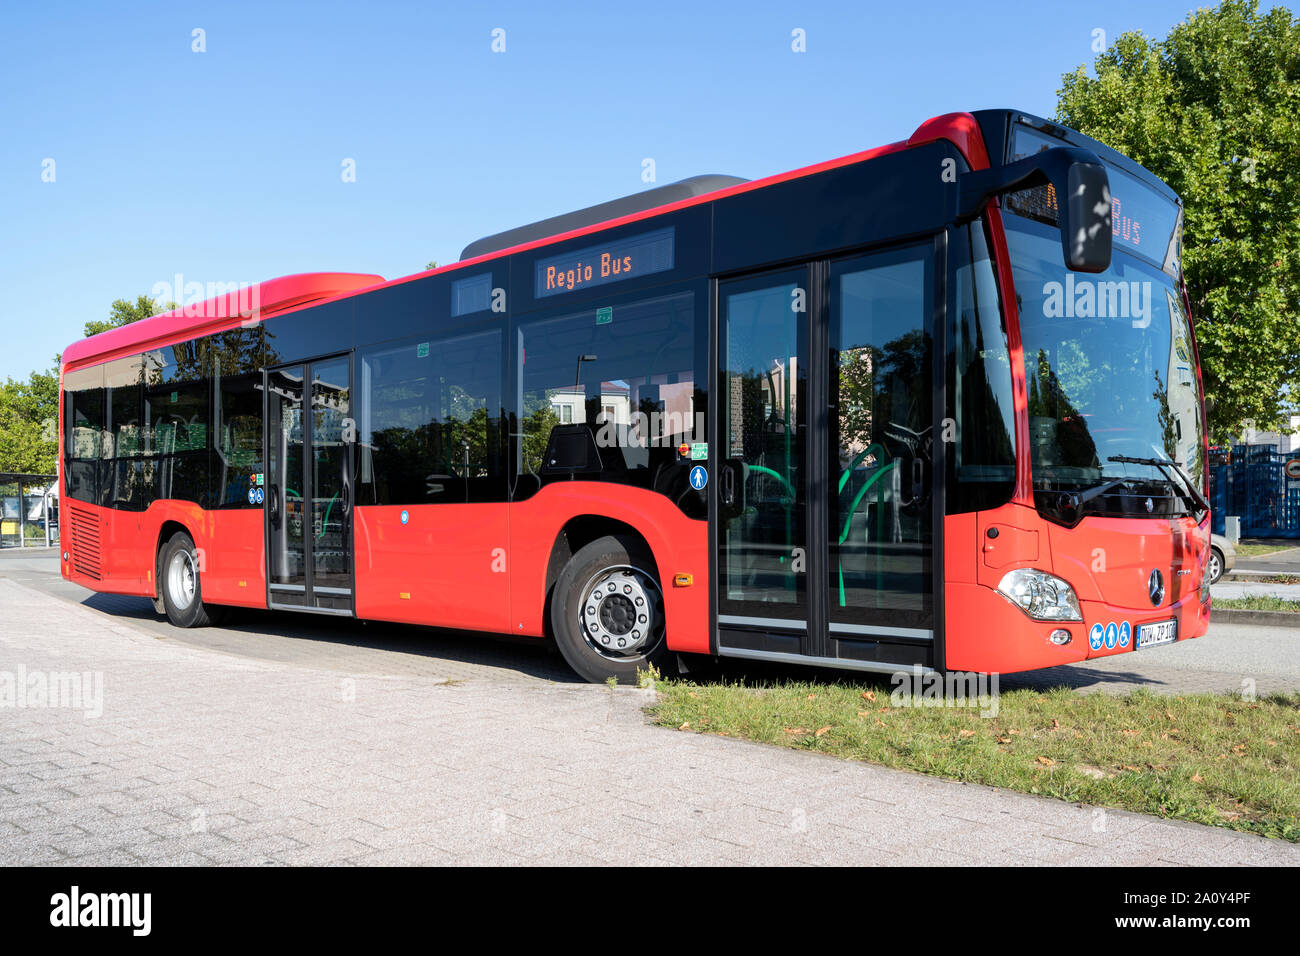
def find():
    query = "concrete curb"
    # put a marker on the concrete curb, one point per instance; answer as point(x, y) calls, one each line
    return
point(1241, 616)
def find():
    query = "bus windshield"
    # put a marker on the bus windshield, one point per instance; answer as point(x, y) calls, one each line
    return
point(1113, 390)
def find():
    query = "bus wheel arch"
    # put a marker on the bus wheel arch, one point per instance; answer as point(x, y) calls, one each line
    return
point(165, 532)
point(603, 570)
point(578, 532)
point(178, 588)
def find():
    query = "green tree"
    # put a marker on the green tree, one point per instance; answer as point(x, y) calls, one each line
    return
point(29, 410)
point(1214, 110)
point(123, 312)
point(29, 415)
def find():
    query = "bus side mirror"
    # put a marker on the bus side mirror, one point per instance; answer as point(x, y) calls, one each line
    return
point(1083, 199)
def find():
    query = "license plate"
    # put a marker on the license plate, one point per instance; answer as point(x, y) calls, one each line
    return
point(1160, 632)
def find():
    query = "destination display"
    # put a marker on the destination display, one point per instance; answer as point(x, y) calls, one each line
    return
point(1140, 219)
point(612, 261)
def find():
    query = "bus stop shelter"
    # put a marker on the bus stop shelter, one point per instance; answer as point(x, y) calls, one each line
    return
point(29, 511)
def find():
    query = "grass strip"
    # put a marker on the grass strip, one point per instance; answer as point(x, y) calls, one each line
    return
point(1208, 758)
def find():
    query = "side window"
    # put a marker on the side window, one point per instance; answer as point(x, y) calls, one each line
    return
point(609, 393)
point(84, 420)
point(982, 453)
point(236, 462)
point(177, 422)
point(122, 470)
point(430, 425)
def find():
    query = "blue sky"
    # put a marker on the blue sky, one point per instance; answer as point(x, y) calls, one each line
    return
point(225, 165)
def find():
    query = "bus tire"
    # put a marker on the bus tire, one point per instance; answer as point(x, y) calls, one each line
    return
point(180, 584)
point(608, 593)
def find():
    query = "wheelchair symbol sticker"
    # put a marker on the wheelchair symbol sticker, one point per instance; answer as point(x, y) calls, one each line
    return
point(256, 496)
point(699, 477)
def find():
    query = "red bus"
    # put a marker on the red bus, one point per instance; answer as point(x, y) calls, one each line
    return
point(903, 408)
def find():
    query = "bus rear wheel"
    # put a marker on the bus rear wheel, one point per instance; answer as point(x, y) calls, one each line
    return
point(607, 611)
point(181, 585)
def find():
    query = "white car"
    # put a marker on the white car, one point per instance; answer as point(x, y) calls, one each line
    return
point(1222, 557)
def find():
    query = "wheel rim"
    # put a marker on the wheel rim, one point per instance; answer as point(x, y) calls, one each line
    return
point(1213, 569)
point(620, 614)
point(182, 580)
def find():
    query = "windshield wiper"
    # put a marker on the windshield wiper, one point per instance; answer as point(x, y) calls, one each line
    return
point(1077, 501)
point(1162, 463)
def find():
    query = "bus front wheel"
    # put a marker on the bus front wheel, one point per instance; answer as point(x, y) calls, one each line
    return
point(607, 611)
point(181, 585)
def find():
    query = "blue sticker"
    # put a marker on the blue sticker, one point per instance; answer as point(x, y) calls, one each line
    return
point(406, 516)
point(699, 477)
point(261, 495)
point(1125, 632)
point(252, 496)
point(1094, 637)
point(1112, 635)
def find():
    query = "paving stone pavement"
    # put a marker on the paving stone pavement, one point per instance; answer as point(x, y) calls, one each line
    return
point(201, 756)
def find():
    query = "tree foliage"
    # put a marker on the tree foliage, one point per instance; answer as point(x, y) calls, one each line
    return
point(123, 312)
point(1214, 110)
point(29, 410)
point(29, 415)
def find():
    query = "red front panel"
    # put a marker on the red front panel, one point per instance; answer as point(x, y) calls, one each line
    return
point(1108, 562)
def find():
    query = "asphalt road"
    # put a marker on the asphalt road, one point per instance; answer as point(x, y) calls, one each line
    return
point(1279, 562)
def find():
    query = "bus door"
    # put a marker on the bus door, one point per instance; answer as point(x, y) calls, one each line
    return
point(826, 498)
point(761, 462)
point(310, 440)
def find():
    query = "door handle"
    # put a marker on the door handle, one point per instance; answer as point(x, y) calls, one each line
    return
point(274, 494)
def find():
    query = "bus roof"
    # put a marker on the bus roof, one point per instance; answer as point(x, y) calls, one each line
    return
point(603, 212)
point(220, 312)
point(291, 292)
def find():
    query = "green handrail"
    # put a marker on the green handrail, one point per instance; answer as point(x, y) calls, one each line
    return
point(326, 520)
point(777, 475)
point(847, 472)
point(848, 519)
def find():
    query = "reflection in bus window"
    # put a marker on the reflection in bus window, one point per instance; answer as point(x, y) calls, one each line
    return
point(881, 447)
point(627, 373)
point(430, 426)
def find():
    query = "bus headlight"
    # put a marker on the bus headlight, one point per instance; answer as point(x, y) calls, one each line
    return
point(1042, 596)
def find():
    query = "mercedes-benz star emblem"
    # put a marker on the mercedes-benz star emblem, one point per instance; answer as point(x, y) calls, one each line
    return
point(1156, 587)
point(1151, 506)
